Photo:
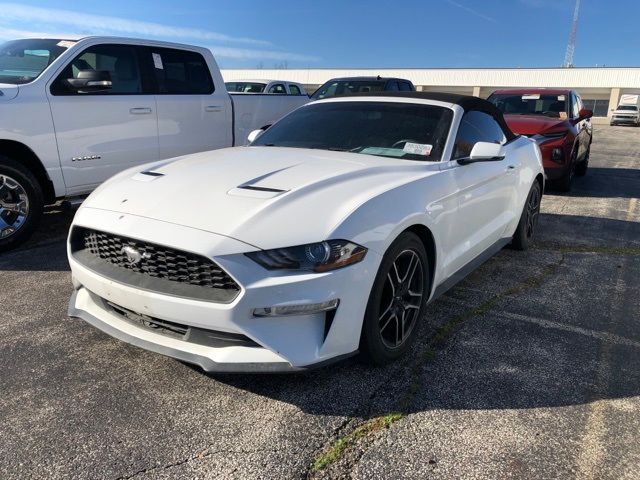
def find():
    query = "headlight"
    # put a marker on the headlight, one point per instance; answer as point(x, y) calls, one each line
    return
point(315, 257)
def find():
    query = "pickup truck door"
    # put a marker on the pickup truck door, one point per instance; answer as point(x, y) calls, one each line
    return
point(100, 133)
point(486, 192)
point(193, 115)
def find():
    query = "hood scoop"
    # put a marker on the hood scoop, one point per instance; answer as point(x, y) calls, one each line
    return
point(255, 191)
point(147, 176)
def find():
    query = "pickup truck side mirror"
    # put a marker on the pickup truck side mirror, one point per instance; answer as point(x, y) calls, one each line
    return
point(91, 81)
point(484, 152)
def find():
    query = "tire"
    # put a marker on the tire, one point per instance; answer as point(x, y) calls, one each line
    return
point(397, 301)
point(21, 203)
point(523, 237)
point(564, 183)
point(583, 166)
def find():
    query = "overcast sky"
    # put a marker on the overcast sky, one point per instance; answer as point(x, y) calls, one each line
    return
point(354, 33)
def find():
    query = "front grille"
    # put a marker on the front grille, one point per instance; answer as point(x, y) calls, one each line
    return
point(152, 266)
point(201, 336)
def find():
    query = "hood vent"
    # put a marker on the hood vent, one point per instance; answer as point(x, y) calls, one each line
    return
point(262, 189)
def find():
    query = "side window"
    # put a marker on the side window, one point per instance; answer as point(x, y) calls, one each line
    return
point(294, 89)
point(476, 127)
point(575, 108)
point(392, 86)
point(405, 87)
point(121, 61)
point(180, 72)
point(277, 88)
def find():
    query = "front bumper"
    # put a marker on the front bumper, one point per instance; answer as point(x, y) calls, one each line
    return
point(624, 120)
point(556, 167)
point(282, 344)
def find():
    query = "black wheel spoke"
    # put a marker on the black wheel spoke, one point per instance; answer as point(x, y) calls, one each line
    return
point(402, 299)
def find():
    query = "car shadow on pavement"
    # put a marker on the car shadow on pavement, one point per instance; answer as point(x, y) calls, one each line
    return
point(46, 249)
point(569, 336)
point(607, 183)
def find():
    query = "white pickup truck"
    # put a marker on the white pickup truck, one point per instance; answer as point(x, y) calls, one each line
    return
point(75, 112)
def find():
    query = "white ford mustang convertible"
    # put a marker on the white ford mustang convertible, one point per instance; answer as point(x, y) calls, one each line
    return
point(329, 235)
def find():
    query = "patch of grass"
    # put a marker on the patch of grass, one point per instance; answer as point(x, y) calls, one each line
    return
point(371, 426)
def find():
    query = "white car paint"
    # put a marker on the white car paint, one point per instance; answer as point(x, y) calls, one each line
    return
point(470, 211)
point(115, 132)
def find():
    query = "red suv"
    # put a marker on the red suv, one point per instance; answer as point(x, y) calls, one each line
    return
point(557, 121)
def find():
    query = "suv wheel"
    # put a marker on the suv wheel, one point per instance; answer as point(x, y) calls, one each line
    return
point(21, 203)
point(563, 184)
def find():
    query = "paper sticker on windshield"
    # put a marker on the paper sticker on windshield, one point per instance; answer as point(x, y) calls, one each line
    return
point(423, 149)
point(65, 44)
point(157, 61)
point(531, 96)
point(561, 98)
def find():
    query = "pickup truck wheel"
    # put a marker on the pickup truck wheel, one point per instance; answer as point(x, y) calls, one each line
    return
point(397, 301)
point(21, 203)
point(528, 220)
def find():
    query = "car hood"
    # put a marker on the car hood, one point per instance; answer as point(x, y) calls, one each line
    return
point(265, 196)
point(8, 91)
point(533, 124)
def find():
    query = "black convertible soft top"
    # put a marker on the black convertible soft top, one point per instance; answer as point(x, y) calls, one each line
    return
point(467, 102)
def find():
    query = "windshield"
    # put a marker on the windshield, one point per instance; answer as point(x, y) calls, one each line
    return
point(627, 107)
point(335, 88)
point(22, 61)
point(245, 87)
point(531, 104)
point(398, 130)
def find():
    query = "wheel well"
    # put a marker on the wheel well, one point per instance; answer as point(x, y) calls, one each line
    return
point(429, 244)
point(23, 154)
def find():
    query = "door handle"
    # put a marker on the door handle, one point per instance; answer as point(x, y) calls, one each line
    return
point(213, 108)
point(510, 168)
point(140, 110)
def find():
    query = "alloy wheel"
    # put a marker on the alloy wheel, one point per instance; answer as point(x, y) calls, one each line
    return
point(533, 212)
point(14, 206)
point(401, 299)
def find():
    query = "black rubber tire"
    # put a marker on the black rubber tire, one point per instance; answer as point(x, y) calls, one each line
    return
point(372, 347)
point(565, 182)
point(35, 196)
point(583, 166)
point(523, 238)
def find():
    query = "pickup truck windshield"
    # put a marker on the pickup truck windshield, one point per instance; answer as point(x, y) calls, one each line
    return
point(22, 61)
point(245, 87)
point(628, 107)
point(347, 87)
point(531, 104)
point(398, 130)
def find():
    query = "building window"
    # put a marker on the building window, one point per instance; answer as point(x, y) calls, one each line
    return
point(600, 107)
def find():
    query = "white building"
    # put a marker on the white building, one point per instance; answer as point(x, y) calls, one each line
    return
point(600, 88)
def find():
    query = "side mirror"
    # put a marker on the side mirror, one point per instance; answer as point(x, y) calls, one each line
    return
point(484, 152)
point(91, 81)
point(253, 136)
point(585, 113)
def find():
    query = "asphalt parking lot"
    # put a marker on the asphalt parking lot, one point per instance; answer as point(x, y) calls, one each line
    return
point(530, 368)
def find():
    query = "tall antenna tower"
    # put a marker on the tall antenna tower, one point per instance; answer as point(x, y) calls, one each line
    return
point(571, 46)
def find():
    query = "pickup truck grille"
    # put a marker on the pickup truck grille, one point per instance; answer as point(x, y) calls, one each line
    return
point(151, 266)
